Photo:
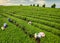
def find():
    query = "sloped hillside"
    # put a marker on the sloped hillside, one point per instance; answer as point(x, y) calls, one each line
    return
point(43, 19)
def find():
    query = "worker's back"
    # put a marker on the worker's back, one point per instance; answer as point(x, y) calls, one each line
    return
point(5, 25)
point(10, 20)
point(29, 22)
point(38, 36)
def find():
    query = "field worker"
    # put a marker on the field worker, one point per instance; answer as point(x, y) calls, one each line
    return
point(29, 22)
point(10, 20)
point(39, 36)
point(5, 25)
point(42, 34)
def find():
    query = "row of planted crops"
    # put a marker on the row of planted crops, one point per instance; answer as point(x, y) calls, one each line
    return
point(23, 32)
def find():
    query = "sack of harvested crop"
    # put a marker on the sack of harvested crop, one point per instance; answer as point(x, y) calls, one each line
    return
point(35, 35)
point(2, 28)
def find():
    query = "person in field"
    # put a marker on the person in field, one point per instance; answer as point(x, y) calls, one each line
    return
point(10, 20)
point(4, 26)
point(38, 36)
point(29, 22)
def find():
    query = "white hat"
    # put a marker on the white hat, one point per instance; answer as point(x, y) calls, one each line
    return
point(42, 34)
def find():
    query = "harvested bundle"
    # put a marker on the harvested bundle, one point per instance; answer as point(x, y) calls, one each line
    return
point(2, 28)
point(35, 35)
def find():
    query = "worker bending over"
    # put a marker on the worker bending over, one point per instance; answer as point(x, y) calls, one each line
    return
point(38, 36)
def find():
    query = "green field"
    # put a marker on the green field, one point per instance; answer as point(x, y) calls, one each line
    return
point(45, 20)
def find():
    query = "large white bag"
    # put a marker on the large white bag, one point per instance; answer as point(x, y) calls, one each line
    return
point(2, 28)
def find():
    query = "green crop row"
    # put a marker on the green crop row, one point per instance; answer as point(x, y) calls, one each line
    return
point(48, 23)
point(52, 24)
point(13, 34)
point(50, 38)
point(43, 18)
point(47, 28)
point(31, 10)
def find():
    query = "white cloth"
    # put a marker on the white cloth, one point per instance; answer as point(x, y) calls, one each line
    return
point(41, 34)
point(2, 28)
point(35, 35)
point(5, 24)
point(29, 22)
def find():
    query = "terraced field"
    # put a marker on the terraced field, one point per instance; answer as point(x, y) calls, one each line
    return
point(43, 19)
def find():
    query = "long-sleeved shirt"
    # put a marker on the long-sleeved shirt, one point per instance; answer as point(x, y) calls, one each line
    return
point(5, 24)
